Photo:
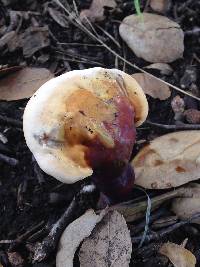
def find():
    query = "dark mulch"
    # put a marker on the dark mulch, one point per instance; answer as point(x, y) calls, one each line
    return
point(31, 201)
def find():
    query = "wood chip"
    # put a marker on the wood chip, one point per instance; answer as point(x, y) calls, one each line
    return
point(23, 83)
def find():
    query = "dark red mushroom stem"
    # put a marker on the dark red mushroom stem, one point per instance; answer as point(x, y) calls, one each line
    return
point(113, 174)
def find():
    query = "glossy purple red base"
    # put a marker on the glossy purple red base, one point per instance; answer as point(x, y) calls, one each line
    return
point(116, 187)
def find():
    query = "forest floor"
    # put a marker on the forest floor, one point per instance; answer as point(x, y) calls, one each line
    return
point(31, 201)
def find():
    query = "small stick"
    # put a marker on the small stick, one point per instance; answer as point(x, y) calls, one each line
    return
point(160, 234)
point(13, 122)
point(80, 203)
point(175, 127)
point(11, 161)
point(135, 229)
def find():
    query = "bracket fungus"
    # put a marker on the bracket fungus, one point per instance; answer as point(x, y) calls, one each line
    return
point(82, 124)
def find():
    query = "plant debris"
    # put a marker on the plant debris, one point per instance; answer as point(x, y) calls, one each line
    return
point(155, 38)
point(178, 255)
point(164, 68)
point(32, 204)
point(73, 235)
point(96, 10)
point(23, 83)
point(192, 116)
point(152, 87)
point(108, 245)
point(168, 161)
point(189, 204)
point(160, 6)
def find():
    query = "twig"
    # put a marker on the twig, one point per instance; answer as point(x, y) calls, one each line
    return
point(13, 122)
point(7, 241)
point(175, 127)
point(11, 161)
point(133, 211)
point(109, 35)
point(81, 202)
point(135, 229)
point(160, 234)
point(195, 31)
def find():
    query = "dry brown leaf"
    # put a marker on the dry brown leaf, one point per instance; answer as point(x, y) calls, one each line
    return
point(152, 86)
point(169, 161)
point(185, 207)
point(58, 17)
point(108, 245)
point(23, 83)
point(178, 255)
point(7, 70)
point(34, 39)
point(74, 235)
point(154, 38)
point(96, 10)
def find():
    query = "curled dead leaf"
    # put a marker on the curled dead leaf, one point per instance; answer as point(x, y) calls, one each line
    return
point(109, 244)
point(152, 86)
point(74, 235)
point(178, 255)
point(189, 204)
point(23, 83)
point(96, 10)
point(164, 68)
point(169, 161)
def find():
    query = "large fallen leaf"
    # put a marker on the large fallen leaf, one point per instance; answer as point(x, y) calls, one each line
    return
point(154, 38)
point(178, 255)
point(23, 83)
point(169, 161)
point(74, 235)
point(108, 245)
point(7, 70)
point(152, 86)
point(185, 207)
point(96, 10)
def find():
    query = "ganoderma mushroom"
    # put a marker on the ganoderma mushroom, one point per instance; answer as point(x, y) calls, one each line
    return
point(82, 124)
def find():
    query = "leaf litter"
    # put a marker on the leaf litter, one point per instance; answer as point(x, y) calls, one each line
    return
point(73, 235)
point(23, 83)
point(169, 161)
point(178, 255)
point(96, 10)
point(152, 86)
point(108, 245)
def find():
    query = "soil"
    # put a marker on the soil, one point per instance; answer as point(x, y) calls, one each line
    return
point(31, 201)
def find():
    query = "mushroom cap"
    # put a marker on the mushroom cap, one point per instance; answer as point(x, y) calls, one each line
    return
point(51, 106)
